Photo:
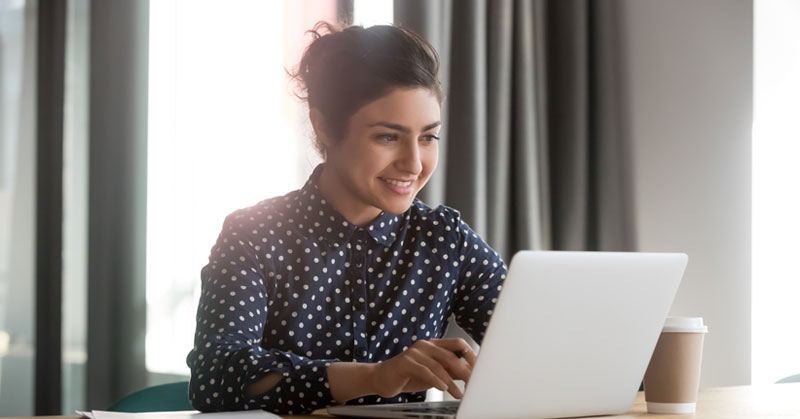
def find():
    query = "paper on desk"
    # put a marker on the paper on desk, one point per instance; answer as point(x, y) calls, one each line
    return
point(186, 414)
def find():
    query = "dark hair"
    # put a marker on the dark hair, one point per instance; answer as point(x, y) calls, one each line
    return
point(344, 69)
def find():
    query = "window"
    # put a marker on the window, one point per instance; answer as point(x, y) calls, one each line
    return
point(776, 204)
point(373, 12)
point(225, 132)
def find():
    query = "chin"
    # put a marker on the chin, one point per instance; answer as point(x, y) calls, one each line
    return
point(397, 208)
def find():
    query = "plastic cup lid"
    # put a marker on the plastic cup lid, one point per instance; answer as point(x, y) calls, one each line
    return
point(685, 325)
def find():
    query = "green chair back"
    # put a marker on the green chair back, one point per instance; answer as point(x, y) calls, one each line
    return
point(792, 379)
point(164, 398)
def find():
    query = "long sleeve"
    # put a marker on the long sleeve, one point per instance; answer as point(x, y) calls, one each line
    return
point(481, 278)
point(231, 350)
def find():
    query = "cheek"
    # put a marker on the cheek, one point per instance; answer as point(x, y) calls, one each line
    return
point(358, 158)
point(367, 163)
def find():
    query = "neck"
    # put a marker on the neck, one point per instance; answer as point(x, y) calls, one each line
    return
point(343, 200)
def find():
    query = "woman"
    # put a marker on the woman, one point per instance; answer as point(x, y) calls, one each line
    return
point(339, 292)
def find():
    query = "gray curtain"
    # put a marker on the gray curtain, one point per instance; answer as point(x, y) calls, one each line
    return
point(533, 151)
point(51, 45)
point(117, 200)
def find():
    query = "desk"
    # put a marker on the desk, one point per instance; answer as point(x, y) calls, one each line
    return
point(777, 400)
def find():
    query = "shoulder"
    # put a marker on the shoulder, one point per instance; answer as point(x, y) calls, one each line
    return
point(268, 214)
point(434, 218)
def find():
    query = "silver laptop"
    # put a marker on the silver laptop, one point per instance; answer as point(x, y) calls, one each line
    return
point(571, 335)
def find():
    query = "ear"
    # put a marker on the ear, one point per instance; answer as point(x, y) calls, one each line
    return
point(320, 130)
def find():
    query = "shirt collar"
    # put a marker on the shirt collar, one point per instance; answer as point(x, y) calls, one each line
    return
point(320, 219)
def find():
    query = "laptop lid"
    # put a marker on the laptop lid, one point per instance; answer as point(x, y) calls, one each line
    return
point(572, 334)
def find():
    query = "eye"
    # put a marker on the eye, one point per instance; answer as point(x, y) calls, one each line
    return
point(386, 137)
point(430, 138)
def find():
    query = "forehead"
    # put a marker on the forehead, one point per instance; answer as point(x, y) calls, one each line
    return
point(415, 106)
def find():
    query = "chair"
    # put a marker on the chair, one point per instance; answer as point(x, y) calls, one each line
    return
point(792, 379)
point(163, 398)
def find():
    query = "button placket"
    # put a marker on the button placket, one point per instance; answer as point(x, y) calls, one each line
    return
point(358, 293)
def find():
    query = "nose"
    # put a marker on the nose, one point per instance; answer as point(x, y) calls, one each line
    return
point(410, 160)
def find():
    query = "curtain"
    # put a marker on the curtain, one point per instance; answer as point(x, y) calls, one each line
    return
point(51, 44)
point(118, 65)
point(534, 152)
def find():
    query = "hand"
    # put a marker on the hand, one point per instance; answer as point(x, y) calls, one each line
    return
point(425, 364)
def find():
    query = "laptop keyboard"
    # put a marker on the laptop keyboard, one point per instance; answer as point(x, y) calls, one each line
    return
point(442, 408)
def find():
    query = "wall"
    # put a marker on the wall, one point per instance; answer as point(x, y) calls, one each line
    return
point(689, 70)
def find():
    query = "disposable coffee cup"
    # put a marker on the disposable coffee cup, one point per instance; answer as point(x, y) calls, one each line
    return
point(673, 376)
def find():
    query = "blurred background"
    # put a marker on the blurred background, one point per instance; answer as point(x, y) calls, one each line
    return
point(129, 129)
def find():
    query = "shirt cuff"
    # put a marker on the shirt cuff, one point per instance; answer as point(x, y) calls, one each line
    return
point(304, 386)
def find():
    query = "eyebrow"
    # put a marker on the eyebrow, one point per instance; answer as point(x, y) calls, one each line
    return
point(401, 128)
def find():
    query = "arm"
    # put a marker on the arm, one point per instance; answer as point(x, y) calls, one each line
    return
point(426, 364)
point(481, 277)
point(228, 355)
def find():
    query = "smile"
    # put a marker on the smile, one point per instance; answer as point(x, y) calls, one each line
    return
point(401, 187)
point(400, 183)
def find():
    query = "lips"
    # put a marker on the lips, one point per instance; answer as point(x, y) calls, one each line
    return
point(399, 186)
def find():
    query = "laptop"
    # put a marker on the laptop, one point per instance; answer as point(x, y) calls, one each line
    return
point(571, 335)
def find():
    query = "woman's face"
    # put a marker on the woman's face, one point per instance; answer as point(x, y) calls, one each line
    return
point(389, 153)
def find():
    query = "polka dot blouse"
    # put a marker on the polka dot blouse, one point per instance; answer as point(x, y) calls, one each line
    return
point(291, 287)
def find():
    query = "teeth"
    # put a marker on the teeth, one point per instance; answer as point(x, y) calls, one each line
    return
point(397, 183)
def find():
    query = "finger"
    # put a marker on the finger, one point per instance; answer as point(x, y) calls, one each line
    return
point(451, 361)
point(468, 355)
point(437, 369)
point(421, 368)
point(455, 391)
point(459, 347)
point(455, 368)
point(471, 357)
